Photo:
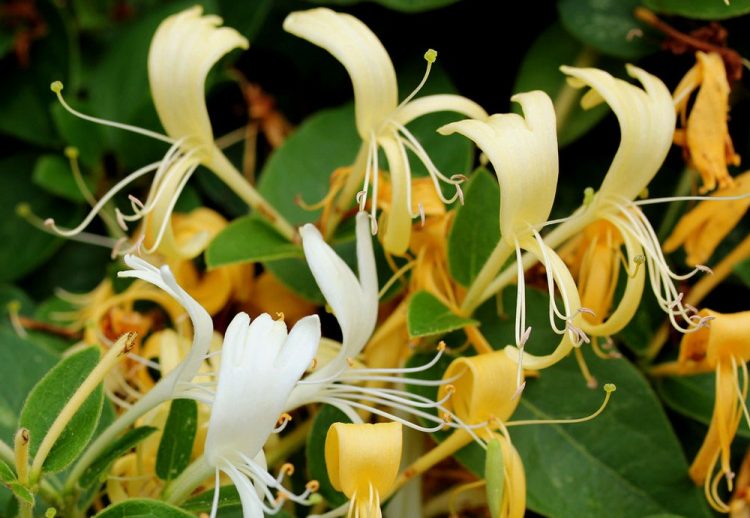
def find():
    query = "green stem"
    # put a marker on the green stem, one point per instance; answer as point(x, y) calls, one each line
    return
point(233, 178)
point(349, 192)
point(193, 476)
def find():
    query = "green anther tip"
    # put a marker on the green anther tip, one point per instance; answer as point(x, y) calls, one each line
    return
point(51, 512)
point(315, 499)
point(644, 193)
point(588, 195)
point(71, 152)
point(609, 388)
point(639, 259)
point(14, 306)
point(56, 86)
point(430, 56)
point(23, 209)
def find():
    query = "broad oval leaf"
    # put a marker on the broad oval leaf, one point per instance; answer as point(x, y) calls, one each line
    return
point(176, 443)
point(249, 239)
point(540, 70)
point(48, 398)
point(608, 26)
point(143, 508)
point(476, 227)
point(52, 173)
point(427, 316)
point(700, 9)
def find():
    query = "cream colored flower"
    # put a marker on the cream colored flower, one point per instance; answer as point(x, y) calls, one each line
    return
point(381, 120)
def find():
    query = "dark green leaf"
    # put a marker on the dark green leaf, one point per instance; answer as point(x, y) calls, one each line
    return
point(409, 6)
point(315, 453)
point(249, 239)
point(428, 316)
point(22, 364)
point(121, 446)
point(52, 173)
point(201, 503)
point(700, 9)
point(86, 137)
point(540, 70)
point(246, 17)
point(48, 398)
point(608, 26)
point(742, 270)
point(177, 439)
point(24, 246)
point(143, 508)
point(476, 228)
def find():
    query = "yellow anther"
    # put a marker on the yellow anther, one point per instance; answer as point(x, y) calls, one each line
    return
point(450, 389)
point(609, 388)
point(56, 86)
point(313, 485)
point(441, 346)
point(129, 342)
point(430, 56)
point(288, 469)
point(350, 362)
point(283, 419)
point(279, 316)
point(639, 259)
point(314, 364)
point(23, 209)
point(71, 152)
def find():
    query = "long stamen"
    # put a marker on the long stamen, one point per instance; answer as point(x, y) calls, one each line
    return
point(430, 56)
point(609, 388)
point(653, 201)
point(57, 88)
point(23, 210)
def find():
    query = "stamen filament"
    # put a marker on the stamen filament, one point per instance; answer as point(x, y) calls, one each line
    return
point(608, 389)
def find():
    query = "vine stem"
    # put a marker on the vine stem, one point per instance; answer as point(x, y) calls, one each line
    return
point(193, 476)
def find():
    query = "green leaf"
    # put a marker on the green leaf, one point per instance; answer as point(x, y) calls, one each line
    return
point(48, 398)
point(429, 316)
point(476, 228)
point(742, 270)
point(22, 364)
point(249, 239)
point(228, 497)
point(494, 475)
point(7, 474)
point(21, 492)
point(693, 397)
point(24, 246)
point(177, 439)
point(118, 448)
point(608, 26)
point(143, 508)
point(245, 17)
point(52, 173)
point(700, 9)
point(315, 453)
point(540, 70)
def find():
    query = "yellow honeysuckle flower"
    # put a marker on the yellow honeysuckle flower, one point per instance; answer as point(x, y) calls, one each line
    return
point(362, 462)
point(523, 151)
point(702, 229)
point(184, 48)
point(723, 348)
point(271, 296)
point(705, 135)
point(381, 119)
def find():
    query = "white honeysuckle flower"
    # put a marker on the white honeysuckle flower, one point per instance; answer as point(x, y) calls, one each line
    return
point(260, 365)
point(381, 120)
point(354, 302)
point(647, 119)
point(177, 383)
point(183, 50)
point(523, 152)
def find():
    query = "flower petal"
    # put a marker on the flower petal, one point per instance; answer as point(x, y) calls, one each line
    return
point(360, 51)
point(647, 122)
point(523, 151)
point(184, 48)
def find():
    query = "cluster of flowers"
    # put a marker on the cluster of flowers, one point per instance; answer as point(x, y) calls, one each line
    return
point(261, 377)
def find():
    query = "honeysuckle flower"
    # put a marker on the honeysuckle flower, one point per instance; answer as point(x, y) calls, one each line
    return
point(354, 302)
point(183, 50)
point(381, 119)
point(260, 365)
point(362, 462)
point(701, 230)
point(523, 151)
point(646, 119)
point(723, 348)
point(704, 135)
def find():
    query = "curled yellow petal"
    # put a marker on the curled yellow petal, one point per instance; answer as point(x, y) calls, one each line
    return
point(485, 386)
point(363, 461)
